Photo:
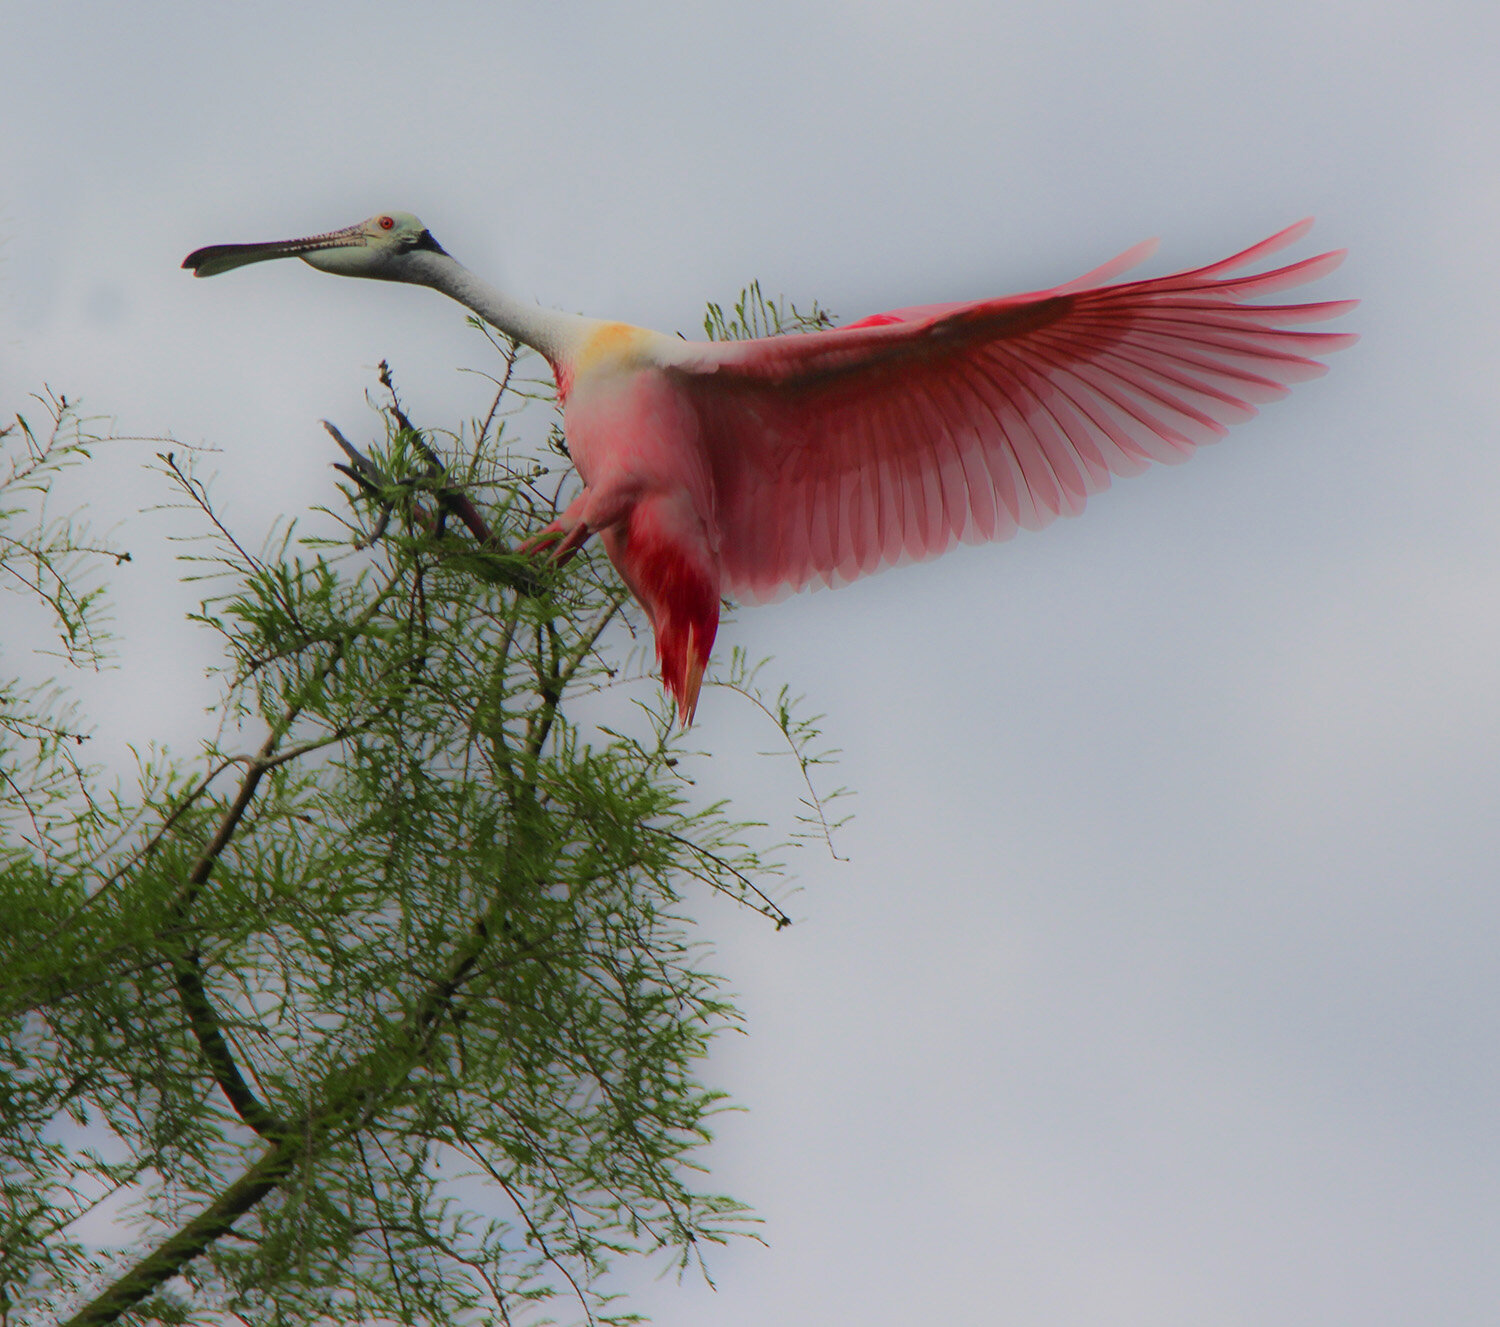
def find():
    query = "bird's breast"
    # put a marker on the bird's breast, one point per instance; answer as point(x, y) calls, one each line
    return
point(633, 427)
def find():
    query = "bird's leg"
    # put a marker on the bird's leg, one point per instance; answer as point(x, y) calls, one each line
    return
point(556, 545)
point(559, 541)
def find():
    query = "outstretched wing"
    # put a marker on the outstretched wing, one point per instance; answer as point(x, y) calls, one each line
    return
point(837, 453)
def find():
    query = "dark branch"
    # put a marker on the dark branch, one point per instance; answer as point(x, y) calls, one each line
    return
point(205, 1022)
point(174, 1253)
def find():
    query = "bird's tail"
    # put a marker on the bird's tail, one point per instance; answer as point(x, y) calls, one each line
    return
point(664, 555)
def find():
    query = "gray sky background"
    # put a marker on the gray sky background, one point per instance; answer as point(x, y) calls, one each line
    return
point(1161, 986)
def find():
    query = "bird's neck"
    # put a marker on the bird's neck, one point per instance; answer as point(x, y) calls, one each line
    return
point(555, 335)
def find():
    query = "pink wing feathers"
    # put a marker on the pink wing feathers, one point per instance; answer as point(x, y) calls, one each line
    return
point(837, 453)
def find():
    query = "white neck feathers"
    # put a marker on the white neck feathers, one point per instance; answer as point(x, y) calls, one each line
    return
point(555, 335)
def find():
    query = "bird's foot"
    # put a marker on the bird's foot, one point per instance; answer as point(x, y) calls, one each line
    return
point(557, 543)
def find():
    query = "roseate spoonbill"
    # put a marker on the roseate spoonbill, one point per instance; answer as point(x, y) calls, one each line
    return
point(754, 468)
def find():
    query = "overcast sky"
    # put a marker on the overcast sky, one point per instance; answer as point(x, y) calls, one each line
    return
point(1161, 985)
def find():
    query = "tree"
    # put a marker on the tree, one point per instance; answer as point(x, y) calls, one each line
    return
point(388, 1006)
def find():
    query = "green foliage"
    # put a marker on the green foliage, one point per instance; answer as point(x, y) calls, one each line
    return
point(51, 563)
point(388, 1005)
point(48, 558)
point(753, 315)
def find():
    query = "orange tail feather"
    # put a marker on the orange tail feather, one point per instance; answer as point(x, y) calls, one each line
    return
point(665, 559)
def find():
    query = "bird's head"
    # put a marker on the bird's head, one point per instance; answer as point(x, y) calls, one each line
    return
point(380, 248)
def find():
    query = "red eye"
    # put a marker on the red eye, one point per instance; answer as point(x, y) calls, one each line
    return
point(387, 223)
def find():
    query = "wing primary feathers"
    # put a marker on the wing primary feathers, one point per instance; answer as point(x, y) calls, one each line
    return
point(839, 452)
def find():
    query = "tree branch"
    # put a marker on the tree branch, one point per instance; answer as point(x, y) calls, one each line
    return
point(205, 1022)
point(174, 1253)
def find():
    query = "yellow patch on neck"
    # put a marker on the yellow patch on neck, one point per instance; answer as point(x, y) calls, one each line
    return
point(613, 343)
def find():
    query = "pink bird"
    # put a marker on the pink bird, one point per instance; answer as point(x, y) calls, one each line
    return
point(754, 468)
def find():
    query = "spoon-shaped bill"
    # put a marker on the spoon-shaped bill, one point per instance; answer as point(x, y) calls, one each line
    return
point(216, 258)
